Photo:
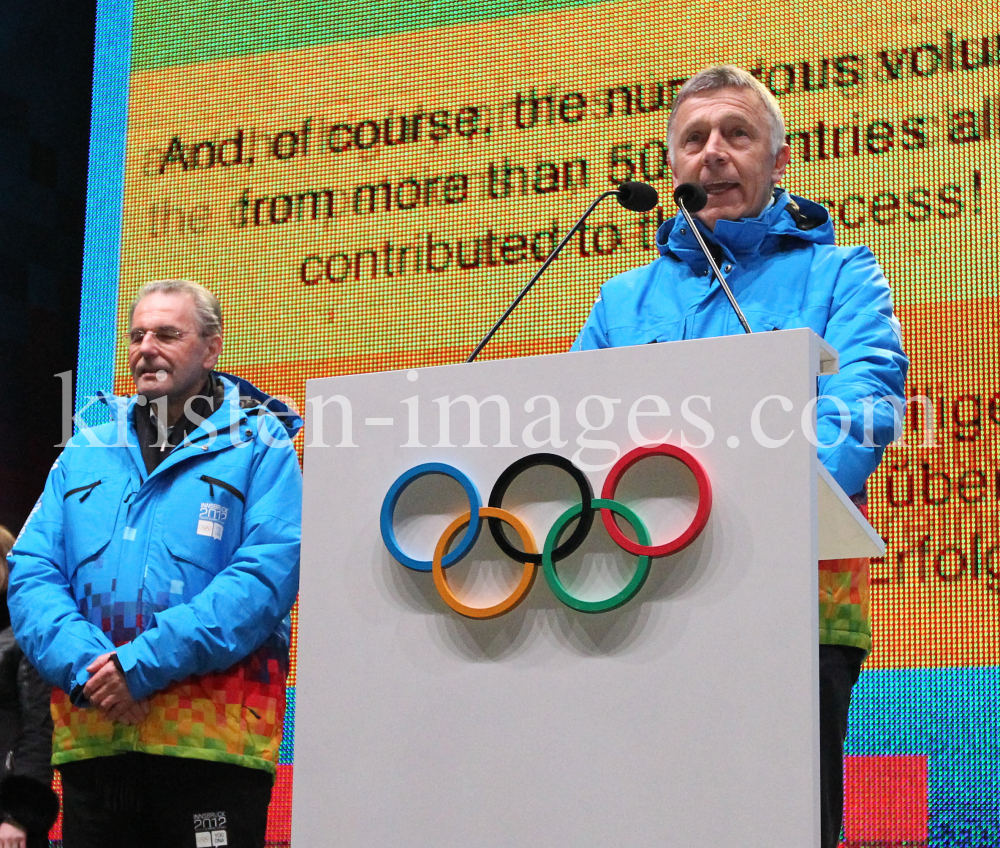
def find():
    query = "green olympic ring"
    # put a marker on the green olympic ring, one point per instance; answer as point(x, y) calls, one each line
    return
point(634, 585)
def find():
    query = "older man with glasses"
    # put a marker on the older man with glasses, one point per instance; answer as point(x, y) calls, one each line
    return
point(152, 586)
point(727, 135)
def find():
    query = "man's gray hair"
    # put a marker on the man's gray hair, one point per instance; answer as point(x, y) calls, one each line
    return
point(718, 77)
point(206, 305)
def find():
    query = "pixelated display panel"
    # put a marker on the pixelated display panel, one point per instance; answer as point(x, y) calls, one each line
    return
point(886, 799)
point(366, 186)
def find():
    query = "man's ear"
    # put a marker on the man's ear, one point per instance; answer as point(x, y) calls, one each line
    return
point(781, 163)
point(214, 350)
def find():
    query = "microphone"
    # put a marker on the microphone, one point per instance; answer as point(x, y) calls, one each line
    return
point(636, 197)
point(691, 198)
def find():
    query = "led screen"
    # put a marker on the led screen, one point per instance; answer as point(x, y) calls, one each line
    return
point(367, 185)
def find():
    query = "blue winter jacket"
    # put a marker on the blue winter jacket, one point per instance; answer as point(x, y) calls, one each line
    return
point(786, 272)
point(188, 572)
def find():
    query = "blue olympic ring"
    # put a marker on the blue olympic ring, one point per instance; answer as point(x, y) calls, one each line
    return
point(389, 509)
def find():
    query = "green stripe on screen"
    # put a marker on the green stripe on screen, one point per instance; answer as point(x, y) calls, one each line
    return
point(168, 34)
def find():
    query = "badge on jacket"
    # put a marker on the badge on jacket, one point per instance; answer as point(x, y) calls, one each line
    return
point(212, 519)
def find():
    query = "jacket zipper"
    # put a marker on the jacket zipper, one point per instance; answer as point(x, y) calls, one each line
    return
point(235, 425)
point(214, 481)
point(88, 489)
point(188, 442)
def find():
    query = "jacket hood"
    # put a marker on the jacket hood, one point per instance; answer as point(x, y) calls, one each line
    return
point(288, 417)
point(250, 398)
point(789, 217)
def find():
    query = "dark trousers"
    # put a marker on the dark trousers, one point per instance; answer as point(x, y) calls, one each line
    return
point(148, 801)
point(839, 667)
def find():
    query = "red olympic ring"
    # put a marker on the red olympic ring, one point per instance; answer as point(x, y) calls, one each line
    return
point(701, 515)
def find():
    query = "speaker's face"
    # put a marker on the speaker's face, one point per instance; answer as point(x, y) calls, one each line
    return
point(722, 140)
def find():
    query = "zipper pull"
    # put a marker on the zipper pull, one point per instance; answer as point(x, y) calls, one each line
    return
point(90, 490)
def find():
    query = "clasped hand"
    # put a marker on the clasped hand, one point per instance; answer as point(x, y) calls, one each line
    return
point(108, 692)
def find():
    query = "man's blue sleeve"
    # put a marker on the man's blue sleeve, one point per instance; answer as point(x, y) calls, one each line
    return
point(47, 623)
point(870, 383)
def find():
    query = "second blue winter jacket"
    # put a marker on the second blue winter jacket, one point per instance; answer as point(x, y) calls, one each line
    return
point(786, 272)
point(188, 572)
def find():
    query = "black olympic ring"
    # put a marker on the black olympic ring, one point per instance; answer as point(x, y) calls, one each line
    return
point(579, 534)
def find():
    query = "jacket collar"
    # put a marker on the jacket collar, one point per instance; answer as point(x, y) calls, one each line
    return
point(253, 398)
point(228, 425)
point(743, 240)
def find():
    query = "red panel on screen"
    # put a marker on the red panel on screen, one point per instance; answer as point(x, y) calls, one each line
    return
point(885, 799)
point(56, 832)
point(279, 815)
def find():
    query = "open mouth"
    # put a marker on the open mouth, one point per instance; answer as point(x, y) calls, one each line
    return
point(719, 187)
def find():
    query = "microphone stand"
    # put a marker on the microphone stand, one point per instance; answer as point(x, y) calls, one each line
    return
point(548, 261)
point(715, 266)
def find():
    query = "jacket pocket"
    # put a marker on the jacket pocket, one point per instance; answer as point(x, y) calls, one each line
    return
point(91, 507)
point(662, 331)
point(196, 559)
point(203, 534)
point(220, 510)
point(764, 324)
point(222, 484)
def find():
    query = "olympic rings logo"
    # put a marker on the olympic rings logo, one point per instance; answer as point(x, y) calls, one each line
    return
point(555, 548)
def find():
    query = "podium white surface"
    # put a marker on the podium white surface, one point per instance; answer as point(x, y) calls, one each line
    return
point(685, 718)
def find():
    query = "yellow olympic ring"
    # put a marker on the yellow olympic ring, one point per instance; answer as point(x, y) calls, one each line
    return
point(520, 591)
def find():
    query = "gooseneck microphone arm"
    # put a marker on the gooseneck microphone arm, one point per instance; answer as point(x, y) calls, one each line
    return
point(548, 261)
point(637, 197)
point(695, 197)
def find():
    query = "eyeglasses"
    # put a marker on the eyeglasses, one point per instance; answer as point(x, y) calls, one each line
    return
point(165, 336)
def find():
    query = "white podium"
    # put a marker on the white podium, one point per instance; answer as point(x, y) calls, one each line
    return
point(685, 717)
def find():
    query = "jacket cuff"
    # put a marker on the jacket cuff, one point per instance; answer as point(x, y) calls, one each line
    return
point(128, 664)
point(76, 695)
point(125, 658)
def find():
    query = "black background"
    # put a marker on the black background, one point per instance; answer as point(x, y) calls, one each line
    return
point(46, 70)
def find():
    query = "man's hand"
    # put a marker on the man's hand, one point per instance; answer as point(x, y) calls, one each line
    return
point(108, 691)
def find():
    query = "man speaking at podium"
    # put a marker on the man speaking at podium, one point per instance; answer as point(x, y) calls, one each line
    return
point(152, 585)
point(726, 134)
